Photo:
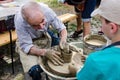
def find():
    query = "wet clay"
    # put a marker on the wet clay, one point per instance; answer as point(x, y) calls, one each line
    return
point(67, 57)
point(63, 70)
point(59, 70)
point(95, 42)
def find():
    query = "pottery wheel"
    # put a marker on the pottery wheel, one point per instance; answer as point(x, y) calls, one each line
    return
point(63, 70)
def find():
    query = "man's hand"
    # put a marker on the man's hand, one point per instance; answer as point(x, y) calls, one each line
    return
point(61, 44)
point(54, 57)
point(72, 69)
point(81, 7)
point(64, 46)
point(83, 58)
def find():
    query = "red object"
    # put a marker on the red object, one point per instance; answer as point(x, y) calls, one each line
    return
point(2, 26)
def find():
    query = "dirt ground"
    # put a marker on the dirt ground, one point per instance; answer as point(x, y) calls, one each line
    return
point(5, 65)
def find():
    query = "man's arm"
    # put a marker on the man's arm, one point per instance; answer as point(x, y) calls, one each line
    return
point(53, 56)
point(36, 51)
point(63, 35)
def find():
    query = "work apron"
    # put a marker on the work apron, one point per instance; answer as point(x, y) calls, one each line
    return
point(30, 60)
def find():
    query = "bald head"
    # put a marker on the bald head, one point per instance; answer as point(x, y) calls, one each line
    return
point(31, 11)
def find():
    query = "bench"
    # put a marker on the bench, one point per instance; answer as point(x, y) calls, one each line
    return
point(5, 37)
point(10, 36)
point(66, 18)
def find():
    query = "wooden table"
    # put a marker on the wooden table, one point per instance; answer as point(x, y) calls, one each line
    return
point(5, 37)
point(6, 10)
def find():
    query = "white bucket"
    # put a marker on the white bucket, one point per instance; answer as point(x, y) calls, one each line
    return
point(94, 43)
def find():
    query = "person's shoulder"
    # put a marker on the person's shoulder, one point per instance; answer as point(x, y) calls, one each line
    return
point(18, 14)
point(19, 19)
point(96, 55)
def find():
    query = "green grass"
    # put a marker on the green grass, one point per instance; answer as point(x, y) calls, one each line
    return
point(53, 3)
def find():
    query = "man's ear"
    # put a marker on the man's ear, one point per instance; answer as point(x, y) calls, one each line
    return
point(114, 27)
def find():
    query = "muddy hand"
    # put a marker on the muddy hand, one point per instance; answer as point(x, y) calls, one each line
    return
point(64, 46)
point(54, 57)
point(83, 58)
point(72, 69)
point(61, 45)
point(80, 7)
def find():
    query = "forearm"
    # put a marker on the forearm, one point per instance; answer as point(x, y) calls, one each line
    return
point(36, 51)
point(63, 35)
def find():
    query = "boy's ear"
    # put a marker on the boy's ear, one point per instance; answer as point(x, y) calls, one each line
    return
point(114, 27)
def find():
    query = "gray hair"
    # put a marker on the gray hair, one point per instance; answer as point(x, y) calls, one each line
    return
point(29, 9)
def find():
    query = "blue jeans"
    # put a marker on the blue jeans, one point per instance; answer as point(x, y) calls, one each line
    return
point(35, 71)
point(55, 39)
